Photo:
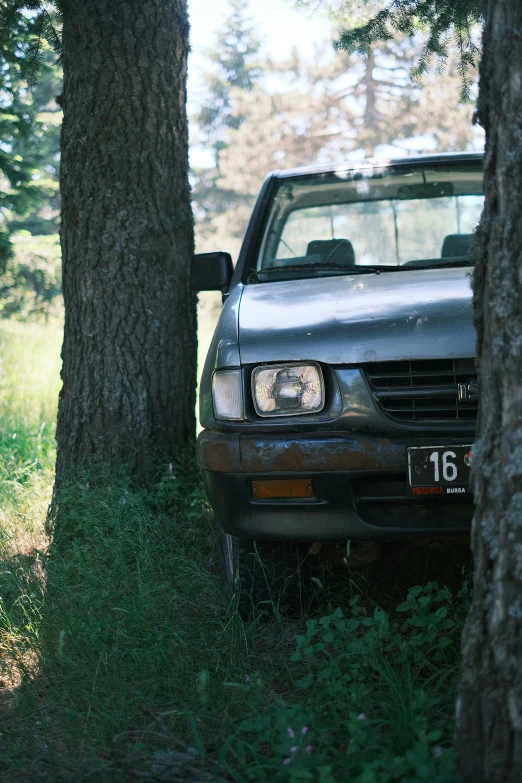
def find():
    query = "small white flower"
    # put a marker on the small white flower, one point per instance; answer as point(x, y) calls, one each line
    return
point(361, 716)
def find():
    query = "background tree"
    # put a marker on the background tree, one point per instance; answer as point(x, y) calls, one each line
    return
point(233, 66)
point(30, 119)
point(26, 139)
point(489, 707)
point(43, 148)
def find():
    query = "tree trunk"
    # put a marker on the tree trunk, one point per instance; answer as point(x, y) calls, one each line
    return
point(370, 120)
point(129, 351)
point(489, 707)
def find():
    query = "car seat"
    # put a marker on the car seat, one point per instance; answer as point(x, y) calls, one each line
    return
point(332, 251)
point(456, 246)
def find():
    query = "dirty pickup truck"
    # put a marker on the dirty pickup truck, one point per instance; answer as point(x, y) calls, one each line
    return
point(339, 396)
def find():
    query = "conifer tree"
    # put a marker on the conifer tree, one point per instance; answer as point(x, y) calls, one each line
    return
point(42, 148)
point(21, 191)
point(233, 66)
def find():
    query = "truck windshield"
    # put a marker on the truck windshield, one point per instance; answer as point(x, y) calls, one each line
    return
point(371, 220)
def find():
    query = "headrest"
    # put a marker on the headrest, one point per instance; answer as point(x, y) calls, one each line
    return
point(333, 251)
point(456, 246)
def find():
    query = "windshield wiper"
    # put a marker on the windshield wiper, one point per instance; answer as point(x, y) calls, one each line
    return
point(462, 261)
point(456, 262)
point(348, 270)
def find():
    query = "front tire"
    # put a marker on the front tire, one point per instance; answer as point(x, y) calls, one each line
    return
point(265, 575)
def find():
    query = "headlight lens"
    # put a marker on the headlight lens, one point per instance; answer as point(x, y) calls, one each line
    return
point(227, 394)
point(288, 389)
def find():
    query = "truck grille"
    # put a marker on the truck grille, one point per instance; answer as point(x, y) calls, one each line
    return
point(423, 389)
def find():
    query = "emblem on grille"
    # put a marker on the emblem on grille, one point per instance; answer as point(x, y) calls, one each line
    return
point(468, 391)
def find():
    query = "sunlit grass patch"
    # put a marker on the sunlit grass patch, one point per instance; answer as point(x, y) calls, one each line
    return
point(29, 383)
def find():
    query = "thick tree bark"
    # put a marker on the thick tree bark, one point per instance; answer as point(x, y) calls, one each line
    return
point(489, 707)
point(129, 352)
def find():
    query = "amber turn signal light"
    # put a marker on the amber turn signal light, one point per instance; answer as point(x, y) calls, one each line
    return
point(282, 488)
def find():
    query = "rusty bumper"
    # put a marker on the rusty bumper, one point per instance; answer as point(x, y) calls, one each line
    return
point(359, 488)
point(226, 453)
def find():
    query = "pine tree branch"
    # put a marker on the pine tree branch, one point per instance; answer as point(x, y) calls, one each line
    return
point(44, 26)
point(443, 19)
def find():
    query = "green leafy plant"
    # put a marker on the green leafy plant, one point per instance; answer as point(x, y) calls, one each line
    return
point(370, 699)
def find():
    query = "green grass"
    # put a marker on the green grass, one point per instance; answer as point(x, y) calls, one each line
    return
point(29, 383)
point(121, 659)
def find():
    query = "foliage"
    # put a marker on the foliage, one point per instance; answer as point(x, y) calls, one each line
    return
point(28, 137)
point(447, 22)
point(41, 217)
point(31, 287)
point(39, 24)
point(369, 691)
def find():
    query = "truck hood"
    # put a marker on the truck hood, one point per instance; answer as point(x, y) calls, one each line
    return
point(352, 319)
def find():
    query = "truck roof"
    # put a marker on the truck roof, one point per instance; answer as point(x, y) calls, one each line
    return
point(379, 163)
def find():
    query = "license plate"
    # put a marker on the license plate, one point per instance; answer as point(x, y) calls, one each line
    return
point(438, 470)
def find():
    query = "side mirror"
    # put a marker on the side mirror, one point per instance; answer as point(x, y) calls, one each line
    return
point(211, 272)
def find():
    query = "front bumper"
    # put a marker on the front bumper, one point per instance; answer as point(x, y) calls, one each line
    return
point(359, 488)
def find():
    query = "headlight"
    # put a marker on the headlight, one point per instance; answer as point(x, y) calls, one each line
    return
point(227, 394)
point(288, 389)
